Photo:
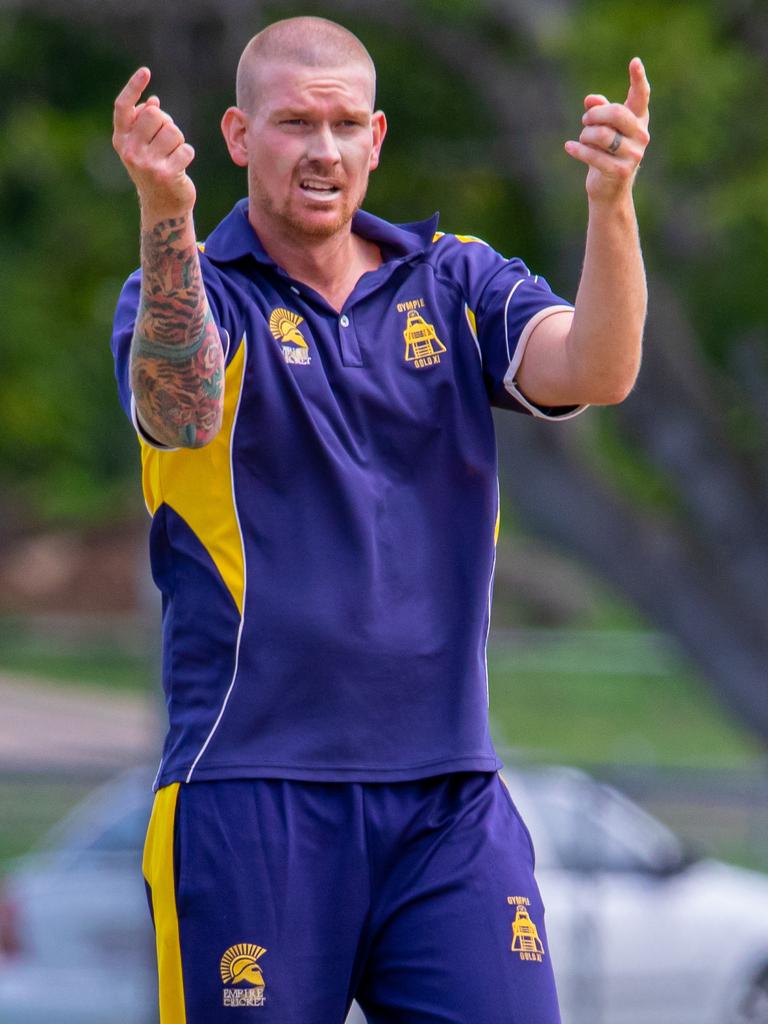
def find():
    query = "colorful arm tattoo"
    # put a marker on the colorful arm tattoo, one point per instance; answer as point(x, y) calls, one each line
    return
point(177, 361)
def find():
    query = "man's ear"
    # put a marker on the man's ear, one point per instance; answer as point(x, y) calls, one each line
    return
point(234, 125)
point(379, 127)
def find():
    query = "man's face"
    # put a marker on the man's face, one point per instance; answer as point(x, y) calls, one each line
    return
point(312, 140)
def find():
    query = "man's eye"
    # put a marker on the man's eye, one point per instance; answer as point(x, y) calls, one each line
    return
point(298, 121)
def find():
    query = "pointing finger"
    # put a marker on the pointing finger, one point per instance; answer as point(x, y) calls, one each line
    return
point(639, 88)
point(128, 97)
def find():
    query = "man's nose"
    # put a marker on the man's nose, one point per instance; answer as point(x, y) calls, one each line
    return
point(322, 145)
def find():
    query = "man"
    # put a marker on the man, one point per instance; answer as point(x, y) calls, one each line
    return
point(312, 394)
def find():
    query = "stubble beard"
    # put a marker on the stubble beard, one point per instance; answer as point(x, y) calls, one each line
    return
point(293, 223)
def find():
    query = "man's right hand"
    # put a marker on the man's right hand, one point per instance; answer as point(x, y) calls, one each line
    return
point(153, 150)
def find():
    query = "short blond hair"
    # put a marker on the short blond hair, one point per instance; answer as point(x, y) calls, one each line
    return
point(306, 41)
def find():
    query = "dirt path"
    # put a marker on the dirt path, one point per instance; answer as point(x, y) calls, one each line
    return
point(45, 725)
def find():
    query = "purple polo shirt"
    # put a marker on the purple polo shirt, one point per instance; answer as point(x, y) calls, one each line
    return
point(326, 562)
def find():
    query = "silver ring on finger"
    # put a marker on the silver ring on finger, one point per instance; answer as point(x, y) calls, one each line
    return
point(615, 143)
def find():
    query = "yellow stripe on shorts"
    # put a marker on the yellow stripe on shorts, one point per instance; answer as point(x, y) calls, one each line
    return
point(158, 870)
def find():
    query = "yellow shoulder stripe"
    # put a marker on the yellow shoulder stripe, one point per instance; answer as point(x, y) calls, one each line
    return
point(460, 238)
point(470, 238)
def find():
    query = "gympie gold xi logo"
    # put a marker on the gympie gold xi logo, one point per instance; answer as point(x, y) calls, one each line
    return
point(240, 971)
point(525, 935)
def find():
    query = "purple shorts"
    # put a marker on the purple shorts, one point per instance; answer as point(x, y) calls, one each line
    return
point(280, 901)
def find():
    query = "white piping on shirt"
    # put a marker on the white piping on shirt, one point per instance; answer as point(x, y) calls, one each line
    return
point(513, 289)
point(490, 595)
point(473, 332)
point(510, 383)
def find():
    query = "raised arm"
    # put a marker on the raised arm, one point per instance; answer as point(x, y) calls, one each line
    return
point(177, 360)
point(593, 355)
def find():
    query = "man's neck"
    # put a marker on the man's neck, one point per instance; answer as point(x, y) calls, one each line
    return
point(331, 266)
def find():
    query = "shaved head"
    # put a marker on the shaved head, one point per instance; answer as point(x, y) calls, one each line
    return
point(308, 42)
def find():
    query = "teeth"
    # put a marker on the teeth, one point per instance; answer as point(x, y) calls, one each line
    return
point(315, 187)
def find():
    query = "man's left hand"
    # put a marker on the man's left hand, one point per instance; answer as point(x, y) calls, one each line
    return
point(614, 137)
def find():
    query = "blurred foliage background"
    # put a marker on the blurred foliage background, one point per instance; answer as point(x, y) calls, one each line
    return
point(637, 534)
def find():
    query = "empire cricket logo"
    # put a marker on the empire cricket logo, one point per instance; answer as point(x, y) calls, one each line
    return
point(525, 934)
point(240, 971)
point(284, 326)
point(422, 345)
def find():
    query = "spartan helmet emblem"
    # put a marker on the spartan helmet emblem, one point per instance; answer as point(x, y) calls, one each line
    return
point(240, 964)
point(285, 327)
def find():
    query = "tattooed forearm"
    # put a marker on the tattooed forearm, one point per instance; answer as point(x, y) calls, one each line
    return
point(177, 362)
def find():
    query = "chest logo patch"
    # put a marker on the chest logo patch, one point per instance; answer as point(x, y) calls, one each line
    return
point(243, 981)
point(525, 935)
point(284, 325)
point(422, 345)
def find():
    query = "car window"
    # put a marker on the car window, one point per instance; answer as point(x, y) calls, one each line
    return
point(123, 835)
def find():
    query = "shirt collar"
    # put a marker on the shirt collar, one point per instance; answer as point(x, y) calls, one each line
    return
point(234, 237)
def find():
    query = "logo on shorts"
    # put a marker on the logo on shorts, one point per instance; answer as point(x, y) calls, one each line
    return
point(244, 983)
point(284, 325)
point(525, 935)
point(422, 345)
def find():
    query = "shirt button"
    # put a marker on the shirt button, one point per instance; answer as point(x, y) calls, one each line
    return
point(344, 320)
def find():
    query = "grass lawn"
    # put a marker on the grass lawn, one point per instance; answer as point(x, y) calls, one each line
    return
point(601, 698)
point(112, 662)
point(109, 669)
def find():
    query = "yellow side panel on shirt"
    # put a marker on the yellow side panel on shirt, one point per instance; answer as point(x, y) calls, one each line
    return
point(472, 320)
point(197, 484)
point(158, 870)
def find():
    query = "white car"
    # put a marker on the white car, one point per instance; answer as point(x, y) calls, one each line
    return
point(639, 931)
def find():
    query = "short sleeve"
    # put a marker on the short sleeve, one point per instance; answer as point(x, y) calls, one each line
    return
point(504, 303)
point(122, 333)
point(512, 304)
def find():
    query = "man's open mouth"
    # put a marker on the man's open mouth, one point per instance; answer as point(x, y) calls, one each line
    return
point(319, 189)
